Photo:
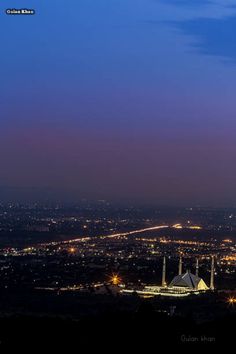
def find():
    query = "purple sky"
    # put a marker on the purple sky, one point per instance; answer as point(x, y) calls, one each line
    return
point(130, 100)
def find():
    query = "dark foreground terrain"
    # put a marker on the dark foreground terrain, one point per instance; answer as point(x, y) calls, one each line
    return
point(112, 331)
point(30, 321)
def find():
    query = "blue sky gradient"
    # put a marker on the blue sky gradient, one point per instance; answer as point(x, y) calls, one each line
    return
point(129, 100)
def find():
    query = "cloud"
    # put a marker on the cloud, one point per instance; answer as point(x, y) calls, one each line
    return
point(209, 24)
point(214, 37)
point(188, 2)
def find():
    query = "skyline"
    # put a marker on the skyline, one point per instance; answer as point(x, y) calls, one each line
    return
point(130, 101)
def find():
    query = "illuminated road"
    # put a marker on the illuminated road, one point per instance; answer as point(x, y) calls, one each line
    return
point(136, 231)
point(122, 234)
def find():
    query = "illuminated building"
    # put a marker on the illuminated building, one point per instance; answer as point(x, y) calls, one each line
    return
point(212, 274)
point(180, 265)
point(163, 283)
point(183, 284)
point(197, 267)
point(188, 281)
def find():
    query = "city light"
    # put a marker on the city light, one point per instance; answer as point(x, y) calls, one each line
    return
point(115, 279)
point(232, 300)
point(177, 226)
point(227, 240)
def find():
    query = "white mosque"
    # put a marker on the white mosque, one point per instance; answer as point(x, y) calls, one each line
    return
point(183, 284)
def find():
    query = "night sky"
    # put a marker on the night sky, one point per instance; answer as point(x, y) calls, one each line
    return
point(125, 100)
